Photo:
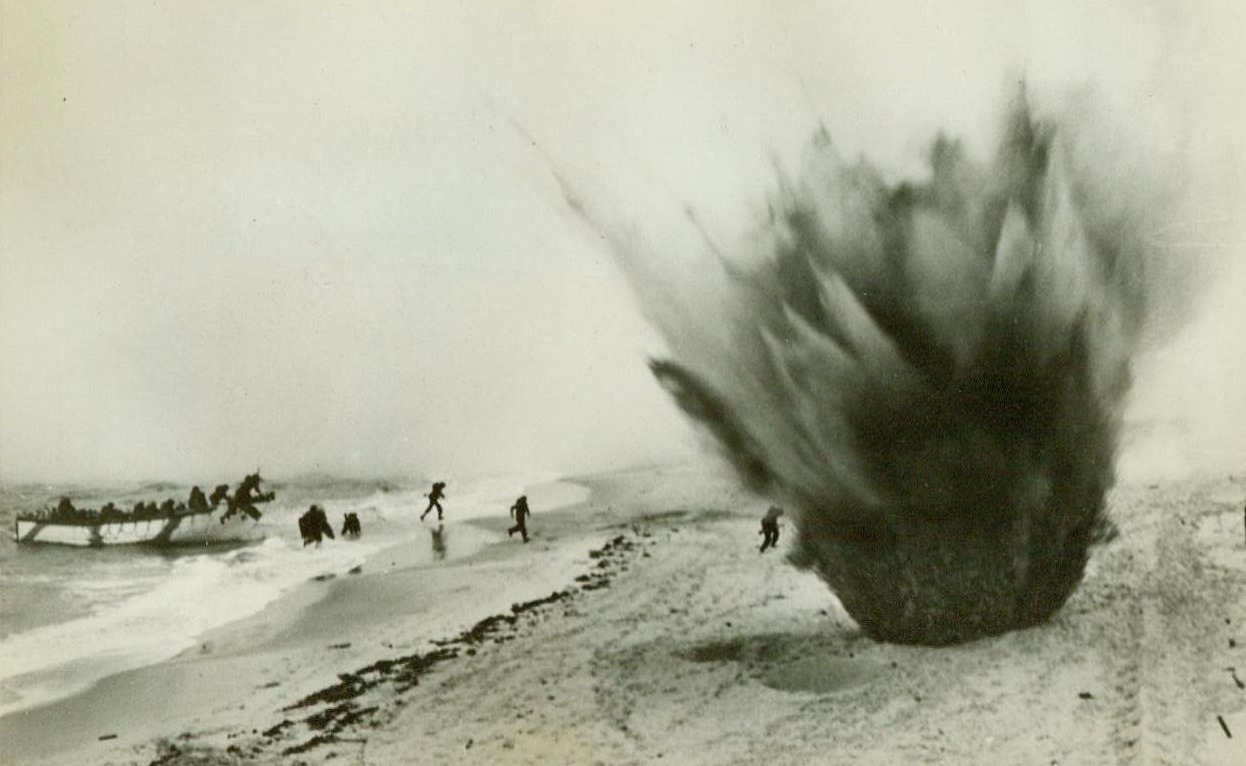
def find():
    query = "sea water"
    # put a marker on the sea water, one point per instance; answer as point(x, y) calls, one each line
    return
point(71, 616)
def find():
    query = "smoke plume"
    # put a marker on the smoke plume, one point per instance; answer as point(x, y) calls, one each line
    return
point(930, 374)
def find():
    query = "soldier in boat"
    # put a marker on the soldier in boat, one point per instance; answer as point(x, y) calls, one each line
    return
point(197, 503)
point(219, 495)
point(65, 510)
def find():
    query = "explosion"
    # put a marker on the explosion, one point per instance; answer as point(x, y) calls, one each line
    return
point(930, 375)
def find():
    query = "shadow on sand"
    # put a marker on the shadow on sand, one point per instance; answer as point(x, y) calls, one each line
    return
point(792, 663)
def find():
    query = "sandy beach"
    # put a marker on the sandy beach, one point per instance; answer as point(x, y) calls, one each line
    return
point(643, 626)
point(960, 285)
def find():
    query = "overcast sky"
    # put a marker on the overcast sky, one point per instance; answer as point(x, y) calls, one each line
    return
point(316, 236)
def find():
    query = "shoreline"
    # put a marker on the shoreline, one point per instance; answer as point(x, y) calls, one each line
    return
point(322, 621)
point(676, 640)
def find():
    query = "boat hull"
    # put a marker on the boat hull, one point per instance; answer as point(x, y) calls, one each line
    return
point(180, 529)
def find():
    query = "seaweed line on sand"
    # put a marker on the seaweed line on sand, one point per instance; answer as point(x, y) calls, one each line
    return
point(338, 709)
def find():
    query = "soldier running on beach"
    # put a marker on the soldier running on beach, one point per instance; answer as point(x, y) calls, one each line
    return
point(436, 494)
point(770, 527)
point(521, 513)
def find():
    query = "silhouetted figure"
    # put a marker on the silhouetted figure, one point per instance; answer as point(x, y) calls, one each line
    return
point(770, 527)
point(246, 497)
point(219, 495)
point(314, 526)
point(520, 513)
point(197, 502)
point(249, 484)
point(65, 510)
point(110, 512)
point(168, 507)
point(434, 496)
point(351, 526)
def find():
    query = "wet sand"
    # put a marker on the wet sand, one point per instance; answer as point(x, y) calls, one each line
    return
point(644, 627)
point(241, 672)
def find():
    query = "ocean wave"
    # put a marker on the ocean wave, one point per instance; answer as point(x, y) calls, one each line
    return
point(125, 607)
point(199, 593)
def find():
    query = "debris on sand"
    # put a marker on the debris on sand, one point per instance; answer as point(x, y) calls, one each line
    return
point(338, 707)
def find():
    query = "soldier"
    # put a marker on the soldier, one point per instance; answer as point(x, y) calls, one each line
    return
point(770, 527)
point(521, 513)
point(197, 502)
point(65, 510)
point(314, 526)
point(433, 496)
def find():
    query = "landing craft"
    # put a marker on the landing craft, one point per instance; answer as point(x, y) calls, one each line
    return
point(180, 526)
